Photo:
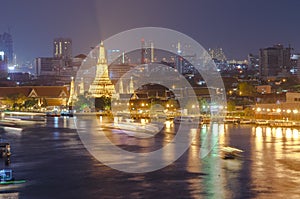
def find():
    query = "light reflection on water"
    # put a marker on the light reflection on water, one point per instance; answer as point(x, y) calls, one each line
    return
point(266, 169)
point(275, 168)
point(269, 168)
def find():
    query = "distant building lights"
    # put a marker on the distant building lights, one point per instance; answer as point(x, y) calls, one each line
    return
point(1, 55)
point(11, 67)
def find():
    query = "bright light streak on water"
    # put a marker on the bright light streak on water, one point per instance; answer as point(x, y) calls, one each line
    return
point(278, 133)
point(295, 134)
point(55, 122)
point(288, 133)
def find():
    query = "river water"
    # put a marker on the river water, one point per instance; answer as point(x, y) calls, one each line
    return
point(55, 164)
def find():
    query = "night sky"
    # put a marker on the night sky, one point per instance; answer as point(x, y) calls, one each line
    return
point(238, 26)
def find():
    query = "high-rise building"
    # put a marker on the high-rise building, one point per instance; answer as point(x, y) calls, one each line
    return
point(253, 61)
point(217, 54)
point(48, 66)
point(274, 60)
point(62, 48)
point(6, 45)
point(3, 65)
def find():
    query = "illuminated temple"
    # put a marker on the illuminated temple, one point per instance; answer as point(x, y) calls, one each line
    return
point(102, 85)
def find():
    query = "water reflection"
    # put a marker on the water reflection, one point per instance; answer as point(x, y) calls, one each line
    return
point(222, 179)
point(275, 162)
point(269, 168)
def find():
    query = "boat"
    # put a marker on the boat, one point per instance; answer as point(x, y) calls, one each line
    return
point(230, 152)
point(6, 178)
point(262, 122)
point(246, 121)
point(134, 128)
point(10, 126)
point(131, 125)
point(188, 120)
point(5, 149)
point(231, 120)
point(18, 119)
point(282, 123)
point(7, 123)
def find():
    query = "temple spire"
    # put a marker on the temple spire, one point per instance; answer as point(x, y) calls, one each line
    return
point(102, 57)
point(131, 86)
point(121, 86)
point(72, 92)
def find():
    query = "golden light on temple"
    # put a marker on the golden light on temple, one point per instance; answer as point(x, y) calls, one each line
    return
point(102, 85)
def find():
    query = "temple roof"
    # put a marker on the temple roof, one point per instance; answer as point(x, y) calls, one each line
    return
point(36, 91)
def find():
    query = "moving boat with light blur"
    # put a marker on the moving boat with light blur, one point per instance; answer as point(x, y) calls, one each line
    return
point(230, 153)
point(18, 119)
point(131, 125)
point(188, 120)
point(136, 128)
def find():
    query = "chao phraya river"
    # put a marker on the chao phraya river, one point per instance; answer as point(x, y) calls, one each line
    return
point(55, 164)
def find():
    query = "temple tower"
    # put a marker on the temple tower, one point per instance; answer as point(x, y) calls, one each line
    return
point(102, 85)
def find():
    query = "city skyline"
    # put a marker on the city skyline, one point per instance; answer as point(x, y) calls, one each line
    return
point(239, 27)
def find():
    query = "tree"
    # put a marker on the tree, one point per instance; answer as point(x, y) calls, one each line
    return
point(249, 112)
point(44, 102)
point(203, 104)
point(83, 102)
point(15, 100)
point(231, 105)
point(29, 103)
point(103, 103)
point(246, 89)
